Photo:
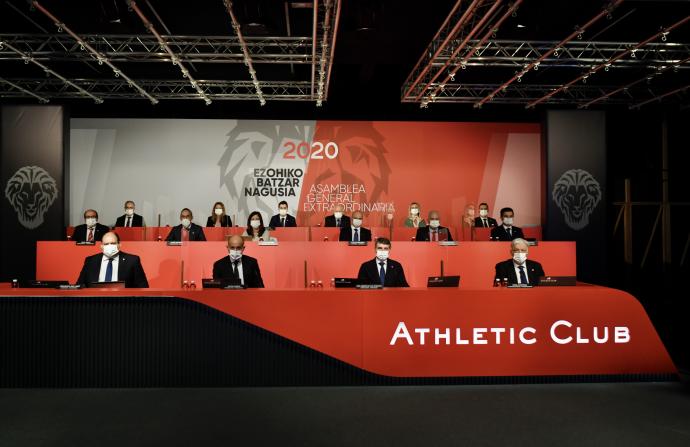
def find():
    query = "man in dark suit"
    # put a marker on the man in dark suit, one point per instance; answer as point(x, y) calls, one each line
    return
point(355, 232)
point(519, 270)
point(129, 219)
point(282, 219)
point(506, 232)
point(237, 266)
point(381, 269)
point(91, 231)
point(338, 219)
point(433, 232)
point(186, 230)
point(113, 265)
point(484, 221)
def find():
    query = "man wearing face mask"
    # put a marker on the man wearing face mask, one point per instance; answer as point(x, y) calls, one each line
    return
point(382, 270)
point(186, 230)
point(282, 219)
point(433, 232)
point(113, 265)
point(130, 218)
point(338, 219)
point(519, 270)
point(355, 232)
point(237, 266)
point(506, 232)
point(484, 221)
point(91, 231)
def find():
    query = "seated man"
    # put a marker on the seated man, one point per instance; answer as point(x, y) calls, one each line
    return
point(338, 219)
point(433, 231)
point(484, 221)
point(282, 219)
point(381, 269)
point(91, 231)
point(129, 219)
point(238, 267)
point(113, 265)
point(519, 270)
point(186, 230)
point(355, 232)
point(506, 232)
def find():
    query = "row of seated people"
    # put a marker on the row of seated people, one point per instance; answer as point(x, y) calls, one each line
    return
point(115, 265)
point(351, 229)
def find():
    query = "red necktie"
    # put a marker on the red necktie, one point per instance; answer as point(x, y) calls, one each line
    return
point(90, 238)
point(185, 235)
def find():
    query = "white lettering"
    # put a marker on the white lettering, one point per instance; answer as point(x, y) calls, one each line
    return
point(525, 340)
point(478, 336)
point(422, 331)
point(402, 332)
point(554, 337)
point(622, 334)
point(439, 335)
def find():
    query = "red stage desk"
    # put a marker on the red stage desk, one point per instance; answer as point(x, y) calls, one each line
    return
point(329, 234)
point(131, 233)
point(291, 234)
point(483, 234)
point(582, 330)
point(407, 234)
point(283, 266)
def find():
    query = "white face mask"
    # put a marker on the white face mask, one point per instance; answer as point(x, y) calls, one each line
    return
point(282, 212)
point(414, 211)
point(356, 223)
point(91, 222)
point(255, 223)
point(338, 214)
point(235, 254)
point(382, 255)
point(186, 223)
point(129, 211)
point(110, 250)
point(483, 213)
point(434, 223)
point(507, 221)
point(218, 211)
point(520, 258)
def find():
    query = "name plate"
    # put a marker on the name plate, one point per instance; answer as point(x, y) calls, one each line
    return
point(357, 244)
point(69, 286)
point(85, 243)
point(174, 243)
point(448, 243)
point(234, 287)
point(520, 286)
point(369, 286)
point(267, 243)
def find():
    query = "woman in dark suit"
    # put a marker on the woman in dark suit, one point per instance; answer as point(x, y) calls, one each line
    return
point(218, 218)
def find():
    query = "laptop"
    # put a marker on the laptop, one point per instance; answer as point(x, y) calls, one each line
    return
point(443, 281)
point(345, 282)
point(557, 280)
point(42, 284)
point(106, 285)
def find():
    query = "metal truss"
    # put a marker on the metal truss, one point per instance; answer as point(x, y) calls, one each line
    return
point(327, 17)
point(162, 89)
point(145, 48)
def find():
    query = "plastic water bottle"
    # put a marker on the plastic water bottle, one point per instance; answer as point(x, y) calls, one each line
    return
point(319, 284)
point(185, 285)
point(332, 283)
point(312, 284)
point(15, 284)
point(497, 282)
point(192, 285)
point(505, 282)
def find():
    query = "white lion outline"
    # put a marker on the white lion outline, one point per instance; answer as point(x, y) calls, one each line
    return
point(31, 191)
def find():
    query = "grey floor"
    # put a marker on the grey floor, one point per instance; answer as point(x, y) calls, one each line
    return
point(628, 414)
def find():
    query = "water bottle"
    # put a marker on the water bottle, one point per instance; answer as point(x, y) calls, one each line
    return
point(319, 284)
point(15, 284)
point(185, 285)
point(192, 285)
point(497, 282)
point(332, 283)
point(505, 282)
point(312, 284)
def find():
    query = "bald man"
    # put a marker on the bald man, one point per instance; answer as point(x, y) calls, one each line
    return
point(338, 219)
point(355, 232)
point(113, 265)
point(433, 232)
point(237, 266)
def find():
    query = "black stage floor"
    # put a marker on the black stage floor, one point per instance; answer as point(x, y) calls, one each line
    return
point(620, 414)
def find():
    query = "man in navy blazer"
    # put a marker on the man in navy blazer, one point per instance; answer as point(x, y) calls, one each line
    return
point(484, 221)
point(186, 230)
point(338, 219)
point(91, 231)
point(519, 270)
point(238, 266)
point(381, 269)
point(130, 218)
point(282, 219)
point(433, 231)
point(506, 232)
point(355, 232)
point(113, 265)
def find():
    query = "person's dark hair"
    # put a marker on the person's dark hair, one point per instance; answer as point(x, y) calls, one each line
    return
point(250, 230)
point(213, 210)
point(484, 203)
point(282, 202)
point(382, 240)
point(187, 209)
point(505, 210)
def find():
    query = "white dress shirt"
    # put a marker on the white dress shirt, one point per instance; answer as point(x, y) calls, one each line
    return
point(104, 266)
point(517, 271)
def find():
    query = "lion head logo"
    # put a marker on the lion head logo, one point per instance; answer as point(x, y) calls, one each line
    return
point(31, 191)
point(576, 193)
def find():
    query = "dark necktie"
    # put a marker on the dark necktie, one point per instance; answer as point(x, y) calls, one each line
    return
point(129, 222)
point(90, 237)
point(356, 237)
point(337, 222)
point(282, 221)
point(235, 270)
point(510, 234)
point(486, 225)
point(109, 271)
point(434, 235)
point(382, 273)
point(523, 277)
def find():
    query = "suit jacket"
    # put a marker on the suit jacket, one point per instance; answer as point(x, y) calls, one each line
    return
point(505, 269)
point(369, 274)
point(222, 269)
point(490, 220)
point(499, 233)
point(344, 221)
point(80, 232)
point(129, 270)
point(137, 221)
point(224, 222)
point(196, 233)
point(289, 221)
point(423, 233)
point(346, 234)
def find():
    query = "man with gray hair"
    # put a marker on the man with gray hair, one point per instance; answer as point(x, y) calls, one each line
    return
point(518, 269)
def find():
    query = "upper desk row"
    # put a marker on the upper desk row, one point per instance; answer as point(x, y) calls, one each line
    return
point(301, 234)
